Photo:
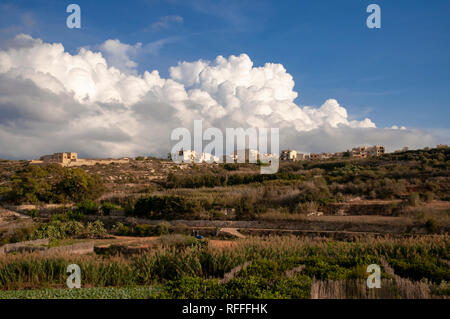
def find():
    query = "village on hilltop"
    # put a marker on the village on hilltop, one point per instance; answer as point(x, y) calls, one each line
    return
point(249, 155)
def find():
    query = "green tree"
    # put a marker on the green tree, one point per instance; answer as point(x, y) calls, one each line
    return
point(77, 185)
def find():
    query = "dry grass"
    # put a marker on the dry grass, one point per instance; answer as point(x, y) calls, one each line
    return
point(351, 289)
point(406, 288)
point(393, 288)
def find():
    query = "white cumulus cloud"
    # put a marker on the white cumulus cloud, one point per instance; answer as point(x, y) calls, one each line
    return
point(120, 54)
point(96, 105)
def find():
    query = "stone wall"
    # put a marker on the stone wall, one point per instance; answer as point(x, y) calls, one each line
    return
point(40, 246)
point(30, 245)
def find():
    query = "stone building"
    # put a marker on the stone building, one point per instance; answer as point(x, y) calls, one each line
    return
point(190, 156)
point(375, 151)
point(364, 151)
point(61, 158)
point(359, 152)
point(288, 155)
point(320, 156)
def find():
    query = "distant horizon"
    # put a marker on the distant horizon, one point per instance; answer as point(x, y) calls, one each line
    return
point(165, 158)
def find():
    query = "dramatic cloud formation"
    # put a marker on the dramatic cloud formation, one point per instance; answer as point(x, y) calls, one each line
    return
point(53, 101)
point(120, 54)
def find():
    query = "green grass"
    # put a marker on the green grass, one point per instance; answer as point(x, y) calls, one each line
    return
point(82, 293)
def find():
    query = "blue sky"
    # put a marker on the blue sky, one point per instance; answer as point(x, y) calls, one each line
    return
point(396, 75)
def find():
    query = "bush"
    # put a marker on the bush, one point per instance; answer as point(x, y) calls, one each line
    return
point(53, 183)
point(191, 288)
point(67, 229)
point(432, 226)
point(59, 230)
point(163, 207)
point(307, 208)
point(21, 234)
point(87, 207)
point(33, 213)
point(95, 229)
point(413, 199)
point(246, 208)
point(31, 184)
point(121, 229)
point(163, 228)
point(429, 196)
point(108, 207)
point(78, 186)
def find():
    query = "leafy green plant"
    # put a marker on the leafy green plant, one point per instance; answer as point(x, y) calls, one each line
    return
point(108, 207)
point(77, 185)
point(87, 207)
point(163, 207)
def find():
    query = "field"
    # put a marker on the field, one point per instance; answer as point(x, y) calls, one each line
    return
point(154, 229)
point(272, 267)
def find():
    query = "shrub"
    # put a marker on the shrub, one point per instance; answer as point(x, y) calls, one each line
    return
point(78, 186)
point(87, 207)
point(307, 208)
point(163, 228)
point(53, 183)
point(192, 288)
point(163, 207)
point(121, 229)
point(21, 234)
point(246, 208)
point(429, 196)
point(443, 289)
point(31, 184)
point(59, 230)
point(95, 229)
point(318, 192)
point(108, 207)
point(33, 213)
point(432, 226)
point(413, 199)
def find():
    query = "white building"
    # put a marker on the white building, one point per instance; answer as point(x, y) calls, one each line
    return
point(190, 156)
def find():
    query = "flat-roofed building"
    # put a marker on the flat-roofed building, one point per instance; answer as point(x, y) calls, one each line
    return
point(364, 151)
point(288, 155)
point(359, 152)
point(62, 158)
point(375, 151)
